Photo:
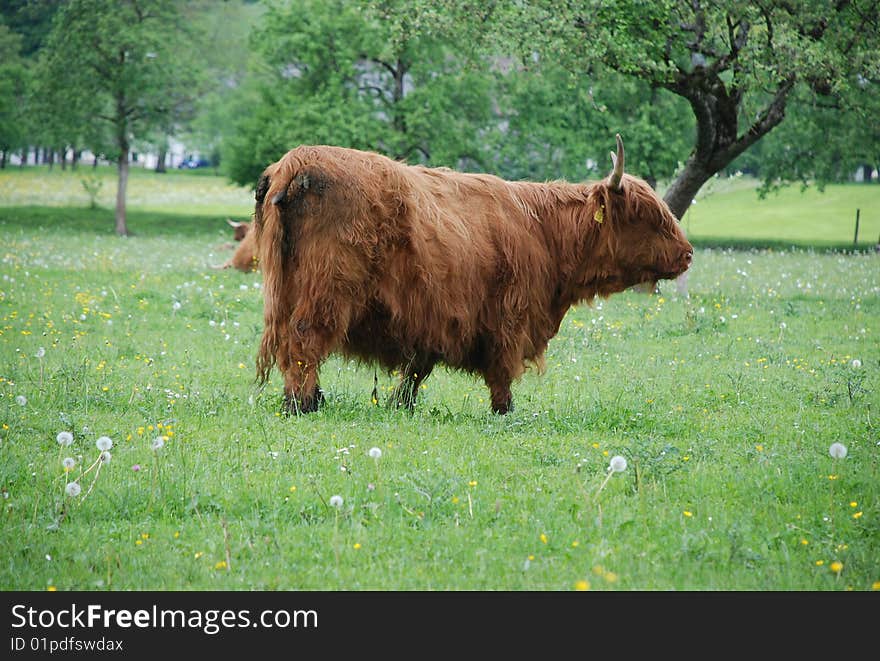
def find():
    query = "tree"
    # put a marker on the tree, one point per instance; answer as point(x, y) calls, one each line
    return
point(13, 86)
point(113, 62)
point(737, 64)
point(341, 73)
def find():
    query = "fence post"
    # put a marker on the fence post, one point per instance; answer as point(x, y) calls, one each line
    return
point(856, 237)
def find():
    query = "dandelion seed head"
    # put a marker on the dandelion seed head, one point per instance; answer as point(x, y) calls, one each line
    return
point(64, 438)
point(618, 464)
point(837, 450)
point(104, 443)
point(72, 489)
point(68, 463)
point(106, 457)
point(856, 363)
point(42, 352)
point(375, 453)
point(157, 443)
point(21, 400)
point(336, 501)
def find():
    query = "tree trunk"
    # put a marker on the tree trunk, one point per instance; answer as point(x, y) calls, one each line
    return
point(2, 159)
point(75, 158)
point(684, 189)
point(121, 226)
point(62, 157)
point(160, 162)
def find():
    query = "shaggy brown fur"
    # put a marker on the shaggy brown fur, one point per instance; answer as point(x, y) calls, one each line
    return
point(408, 266)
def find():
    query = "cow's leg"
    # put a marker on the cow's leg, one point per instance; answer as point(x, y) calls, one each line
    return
point(416, 371)
point(499, 379)
point(299, 364)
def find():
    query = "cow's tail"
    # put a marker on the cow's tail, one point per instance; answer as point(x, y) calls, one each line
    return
point(274, 251)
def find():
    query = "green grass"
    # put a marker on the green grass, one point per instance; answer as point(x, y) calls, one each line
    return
point(729, 213)
point(724, 404)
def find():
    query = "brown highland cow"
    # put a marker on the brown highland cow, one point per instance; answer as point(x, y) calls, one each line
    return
point(408, 266)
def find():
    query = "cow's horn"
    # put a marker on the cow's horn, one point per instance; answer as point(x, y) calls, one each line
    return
point(617, 162)
point(278, 198)
point(234, 223)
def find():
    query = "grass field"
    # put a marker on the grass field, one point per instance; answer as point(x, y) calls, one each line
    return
point(723, 403)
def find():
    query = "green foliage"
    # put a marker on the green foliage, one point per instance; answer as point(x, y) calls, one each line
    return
point(332, 73)
point(13, 84)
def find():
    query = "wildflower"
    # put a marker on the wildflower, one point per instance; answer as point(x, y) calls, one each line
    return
point(64, 438)
point(157, 443)
point(836, 566)
point(357, 546)
point(175, 306)
point(106, 457)
point(104, 443)
point(220, 565)
point(856, 363)
point(68, 463)
point(375, 453)
point(837, 450)
point(21, 400)
point(42, 352)
point(688, 514)
point(136, 468)
point(543, 538)
point(582, 586)
point(72, 489)
point(618, 464)
point(336, 501)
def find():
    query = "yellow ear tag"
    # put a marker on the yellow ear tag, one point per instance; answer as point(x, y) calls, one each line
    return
point(599, 216)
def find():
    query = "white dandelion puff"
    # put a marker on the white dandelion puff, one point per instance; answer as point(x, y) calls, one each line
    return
point(40, 352)
point(336, 501)
point(64, 438)
point(21, 400)
point(72, 489)
point(68, 463)
point(157, 443)
point(375, 453)
point(856, 363)
point(837, 450)
point(618, 464)
point(104, 443)
point(175, 306)
point(106, 457)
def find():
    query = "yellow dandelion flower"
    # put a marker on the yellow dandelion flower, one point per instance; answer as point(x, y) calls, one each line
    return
point(176, 534)
point(145, 535)
point(220, 565)
point(357, 546)
point(455, 500)
point(857, 515)
point(292, 488)
point(804, 542)
point(52, 588)
point(596, 445)
point(759, 448)
point(531, 557)
point(472, 483)
point(198, 554)
point(875, 585)
point(853, 504)
point(836, 566)
point(138, 542)
point(611, 577)
point(819, 563)
point(543, 538)
point(575, 544)
point(582, 586)
point(688, 514)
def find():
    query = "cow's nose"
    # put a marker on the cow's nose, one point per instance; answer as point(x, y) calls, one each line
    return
point(688, 256)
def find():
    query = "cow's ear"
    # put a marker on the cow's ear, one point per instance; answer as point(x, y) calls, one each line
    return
point(617, 167)
point(262, 189)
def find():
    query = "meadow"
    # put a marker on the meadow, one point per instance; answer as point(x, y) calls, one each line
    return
point(724, 403)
